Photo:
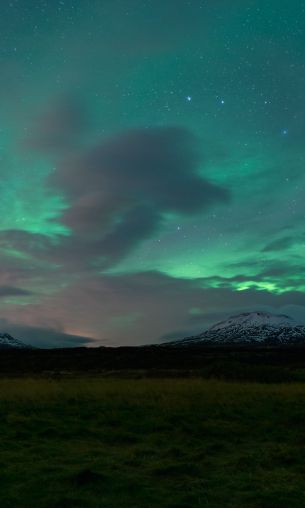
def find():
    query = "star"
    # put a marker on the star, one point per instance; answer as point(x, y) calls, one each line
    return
point(285, 132)
point(188, 98)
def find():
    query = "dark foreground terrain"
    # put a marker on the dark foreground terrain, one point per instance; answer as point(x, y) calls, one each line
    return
point(152, 428)
point(249, 363)
point(151, 443)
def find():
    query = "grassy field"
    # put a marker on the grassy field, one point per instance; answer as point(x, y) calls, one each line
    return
point(94, 443)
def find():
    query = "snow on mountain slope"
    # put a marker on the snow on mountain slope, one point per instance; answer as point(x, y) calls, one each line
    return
point(8, 342)
point(250, 327)
point(255, 319)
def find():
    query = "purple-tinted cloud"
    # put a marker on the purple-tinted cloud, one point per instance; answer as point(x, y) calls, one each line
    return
point(120, 191)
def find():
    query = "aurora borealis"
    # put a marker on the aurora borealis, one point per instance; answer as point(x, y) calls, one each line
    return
point(152, 166)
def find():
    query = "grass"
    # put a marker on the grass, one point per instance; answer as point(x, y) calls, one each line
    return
point(94, 443)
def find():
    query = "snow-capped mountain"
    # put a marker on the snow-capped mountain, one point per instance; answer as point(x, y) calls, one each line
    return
point(8, 342)
point(250, 328)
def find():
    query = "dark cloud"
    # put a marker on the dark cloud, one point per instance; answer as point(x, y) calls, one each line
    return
point(156, 165)
point(120, 191)
point(280, 244)
point(281, 269)
point(265, 269)
point(59, 127)
point(218, 281)
point(25, 241)
point(119, 194)
point(13, 291)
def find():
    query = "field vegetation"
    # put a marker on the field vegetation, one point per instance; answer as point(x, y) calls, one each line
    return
point(151, 443)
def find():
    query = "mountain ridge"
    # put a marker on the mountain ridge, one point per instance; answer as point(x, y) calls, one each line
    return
point(9, 342)
point(249, 328)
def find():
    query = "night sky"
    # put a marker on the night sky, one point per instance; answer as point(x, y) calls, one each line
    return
point(152, 164)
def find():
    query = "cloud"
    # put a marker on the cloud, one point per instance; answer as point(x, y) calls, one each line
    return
point(118, 193)
point(143, 308)
point(59, 127)
point(280, 244)
point(13, 291)
point(282, 271)
point(121, 191)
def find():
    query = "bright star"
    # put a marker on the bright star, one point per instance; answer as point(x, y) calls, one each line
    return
point(188, 98)
point(222, 101)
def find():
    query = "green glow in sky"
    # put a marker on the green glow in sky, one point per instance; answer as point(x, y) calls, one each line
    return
point(231, 75)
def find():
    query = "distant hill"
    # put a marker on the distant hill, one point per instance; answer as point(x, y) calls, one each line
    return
point(8, 342)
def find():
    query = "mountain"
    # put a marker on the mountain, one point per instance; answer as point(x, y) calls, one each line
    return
point(250, 328)
point(8, 342)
